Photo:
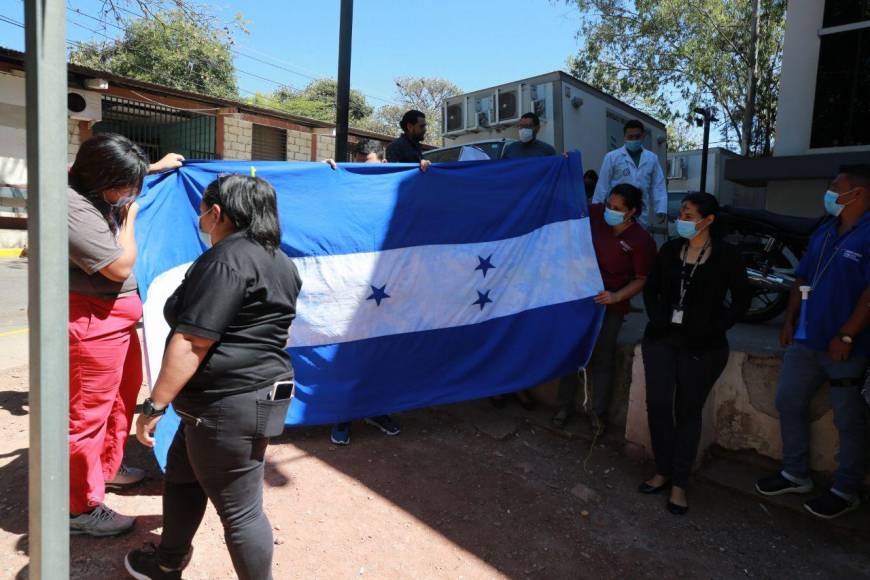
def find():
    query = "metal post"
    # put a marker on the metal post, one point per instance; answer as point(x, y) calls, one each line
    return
point(342, 97)
point(707, 117)
point(48, 288)
point(705, 151)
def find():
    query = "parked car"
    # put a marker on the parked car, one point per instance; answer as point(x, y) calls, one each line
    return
point(492, 149)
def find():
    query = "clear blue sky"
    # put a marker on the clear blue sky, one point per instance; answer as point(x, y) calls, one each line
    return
point(473, 43)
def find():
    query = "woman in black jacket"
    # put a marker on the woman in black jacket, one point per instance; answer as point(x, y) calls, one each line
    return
point(685, 348)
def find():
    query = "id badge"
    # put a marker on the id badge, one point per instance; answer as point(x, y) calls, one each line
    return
point(677, 317)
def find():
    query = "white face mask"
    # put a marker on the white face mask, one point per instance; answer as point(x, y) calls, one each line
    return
point(526, 134)
point(205, 237)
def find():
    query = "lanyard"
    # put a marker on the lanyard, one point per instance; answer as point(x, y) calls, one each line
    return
point(821, 270)
point(684, 283)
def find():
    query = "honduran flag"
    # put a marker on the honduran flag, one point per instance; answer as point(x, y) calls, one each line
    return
point(472, 279)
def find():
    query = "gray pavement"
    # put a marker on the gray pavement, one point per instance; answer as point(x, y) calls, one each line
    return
point(13, 313)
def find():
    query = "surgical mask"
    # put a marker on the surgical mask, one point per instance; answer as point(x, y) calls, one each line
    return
point(686, 229)
point(120, 202)
point(831, 205)
point(634, 146)
point(526, 134)
point(205, 237)
point(613, 217)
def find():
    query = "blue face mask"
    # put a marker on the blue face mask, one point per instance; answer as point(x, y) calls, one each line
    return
point(831, 205)
point(613, 217)
point(634, 146)
point(686, 229)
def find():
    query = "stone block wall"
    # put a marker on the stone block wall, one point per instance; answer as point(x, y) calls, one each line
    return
point(73, 139)
point(238, 135)
point(325, 147)
point(298, 146)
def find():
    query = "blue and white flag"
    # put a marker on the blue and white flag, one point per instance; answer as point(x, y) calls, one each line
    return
point(470, 280)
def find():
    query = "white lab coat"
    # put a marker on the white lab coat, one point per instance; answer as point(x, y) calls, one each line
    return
point(618, 167)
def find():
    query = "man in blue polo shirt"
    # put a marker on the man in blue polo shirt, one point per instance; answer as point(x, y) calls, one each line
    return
point(836, 349)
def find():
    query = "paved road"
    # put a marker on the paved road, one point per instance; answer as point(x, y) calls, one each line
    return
point(13, 313)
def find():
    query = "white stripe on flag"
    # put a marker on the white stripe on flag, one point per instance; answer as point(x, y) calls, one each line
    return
point(433, 287)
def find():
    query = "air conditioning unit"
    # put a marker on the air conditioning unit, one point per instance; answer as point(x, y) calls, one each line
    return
point(508, 101)
point(483, 111)
point(84, 105)
point(454, 116)
point(677, 168)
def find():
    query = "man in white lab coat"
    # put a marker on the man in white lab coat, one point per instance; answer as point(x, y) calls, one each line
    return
point(635, 165)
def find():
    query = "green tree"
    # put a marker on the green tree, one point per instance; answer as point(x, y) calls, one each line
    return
point(669, 56)
point(423, 94)
point(170, 49)
point(315, 101)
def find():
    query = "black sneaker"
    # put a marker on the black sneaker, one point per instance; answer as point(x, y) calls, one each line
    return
point(386, 424)
point(778, 485)
point(831, 505)
point(142, 564)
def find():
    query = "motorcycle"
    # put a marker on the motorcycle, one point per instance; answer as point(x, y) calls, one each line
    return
point(771, 245)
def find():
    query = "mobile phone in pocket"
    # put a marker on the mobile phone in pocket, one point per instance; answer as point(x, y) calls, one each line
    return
point(281, 390)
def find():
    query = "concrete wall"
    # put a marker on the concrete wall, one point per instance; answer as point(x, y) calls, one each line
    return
point(238, 135)
point(799, 198)
point(740, 412)
point(800, 62)
point(73, 140)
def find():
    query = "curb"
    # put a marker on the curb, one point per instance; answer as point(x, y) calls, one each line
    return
point(12, 252)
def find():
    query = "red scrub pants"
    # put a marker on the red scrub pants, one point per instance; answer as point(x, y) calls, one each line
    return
point(105, 374)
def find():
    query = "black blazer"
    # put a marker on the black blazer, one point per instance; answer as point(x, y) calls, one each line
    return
point(706, 317)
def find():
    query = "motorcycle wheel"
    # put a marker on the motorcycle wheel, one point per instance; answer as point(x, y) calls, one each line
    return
point(765, 305)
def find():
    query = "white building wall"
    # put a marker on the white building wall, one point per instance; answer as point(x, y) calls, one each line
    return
point(794, 117)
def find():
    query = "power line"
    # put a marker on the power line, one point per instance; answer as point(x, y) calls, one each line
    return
point(237, 52)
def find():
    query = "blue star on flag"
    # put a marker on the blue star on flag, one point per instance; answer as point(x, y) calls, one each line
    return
point(378, 294)
point(485, 264)
point(482, 299)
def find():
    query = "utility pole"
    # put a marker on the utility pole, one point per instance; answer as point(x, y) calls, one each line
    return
point(47, 288)
point(752, 83)
point(342, 97)
point(706, 116)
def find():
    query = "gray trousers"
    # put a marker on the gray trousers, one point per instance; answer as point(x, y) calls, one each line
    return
point(601, 367)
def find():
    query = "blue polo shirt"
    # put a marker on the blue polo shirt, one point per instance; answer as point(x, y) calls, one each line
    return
point(839, 285)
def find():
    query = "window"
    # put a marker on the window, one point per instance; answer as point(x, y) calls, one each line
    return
point(268, 143)
point(841, 115)
point(839, 12)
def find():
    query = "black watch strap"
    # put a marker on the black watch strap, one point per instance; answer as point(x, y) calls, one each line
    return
point(148, 409)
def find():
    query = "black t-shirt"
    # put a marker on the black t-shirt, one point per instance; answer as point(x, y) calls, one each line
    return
point(403, 150)
point(244, 298)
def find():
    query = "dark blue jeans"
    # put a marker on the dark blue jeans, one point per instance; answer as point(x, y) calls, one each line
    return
point(219, 459)
point(804, 371)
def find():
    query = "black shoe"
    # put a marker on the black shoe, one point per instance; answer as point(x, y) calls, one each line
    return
point(647, 489)
point(142, 564)
point(830, 505)
point(677, 510)
point(778, 485)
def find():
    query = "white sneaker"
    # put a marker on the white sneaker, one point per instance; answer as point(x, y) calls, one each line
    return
point(100, 523)
point(126, 477)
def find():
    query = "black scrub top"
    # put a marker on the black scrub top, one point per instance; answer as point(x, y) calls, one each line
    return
point(244, 298)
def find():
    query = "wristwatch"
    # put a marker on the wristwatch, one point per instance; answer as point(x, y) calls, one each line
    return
point(845, 338)
point(149, 410)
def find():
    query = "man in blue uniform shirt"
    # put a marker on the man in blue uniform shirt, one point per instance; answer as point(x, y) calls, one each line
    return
point(836, 349)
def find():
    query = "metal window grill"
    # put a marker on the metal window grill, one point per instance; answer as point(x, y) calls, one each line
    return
point(159, 130)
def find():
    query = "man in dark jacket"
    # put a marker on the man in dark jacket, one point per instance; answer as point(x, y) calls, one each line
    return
point(408, 147)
